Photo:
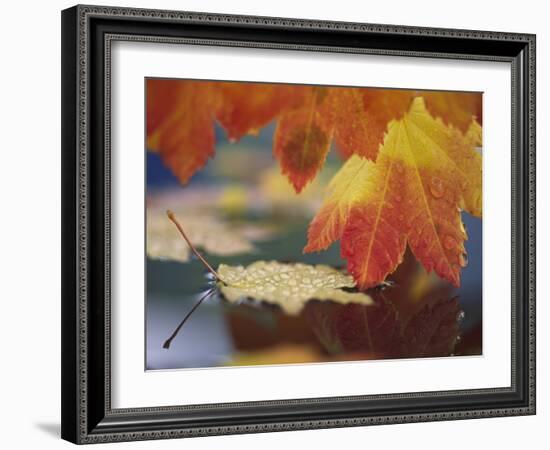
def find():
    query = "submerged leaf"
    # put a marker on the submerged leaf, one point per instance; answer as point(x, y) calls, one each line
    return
point(290, 286)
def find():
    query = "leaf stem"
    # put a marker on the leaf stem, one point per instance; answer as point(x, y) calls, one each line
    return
point(168, 341)
point(172, 217)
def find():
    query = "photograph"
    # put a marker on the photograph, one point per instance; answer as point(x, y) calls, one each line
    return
point(301, 224)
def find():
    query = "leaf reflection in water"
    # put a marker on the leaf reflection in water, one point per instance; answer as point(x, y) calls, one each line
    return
point(378, 331)
point(413, 315)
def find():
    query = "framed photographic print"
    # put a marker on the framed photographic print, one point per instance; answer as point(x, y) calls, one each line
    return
point(282, 224)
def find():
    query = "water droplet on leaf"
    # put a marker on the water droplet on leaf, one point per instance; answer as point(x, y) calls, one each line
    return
point(436, 187)
point(428, 264)
point(449, 242)
point(442, 268)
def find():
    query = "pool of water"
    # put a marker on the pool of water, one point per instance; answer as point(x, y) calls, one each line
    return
point(417, 315)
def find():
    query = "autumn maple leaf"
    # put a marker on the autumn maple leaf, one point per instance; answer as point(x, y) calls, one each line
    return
point(362, 116)
point(425, 173)
point(245, 108)
point(290, 286)
point(453, 108)
point(303, 137)
point(181, 116)
point(411, 160)
point(356, 118)
point(346, 189)
point(180, 124)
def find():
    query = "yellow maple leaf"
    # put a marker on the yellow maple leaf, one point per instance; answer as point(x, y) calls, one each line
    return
point(425, 173)
point(289, 286)
point(344, 190)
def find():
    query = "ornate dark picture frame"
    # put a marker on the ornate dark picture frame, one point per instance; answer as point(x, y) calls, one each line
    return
point(87, 34)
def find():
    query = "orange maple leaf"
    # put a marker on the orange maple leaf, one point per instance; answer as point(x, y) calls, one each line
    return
point(353, 129)
point(454, 108)
point(346, 189)
point(425, 173)
point(303, 137)
point(355, 117)
point(180, 115)
point(180, 124)
point(411, 166)
point(359, 117)
point(245, 108)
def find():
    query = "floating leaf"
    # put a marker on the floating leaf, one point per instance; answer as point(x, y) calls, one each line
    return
point(207, 231)
point(348, 324)
point(289, 286)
